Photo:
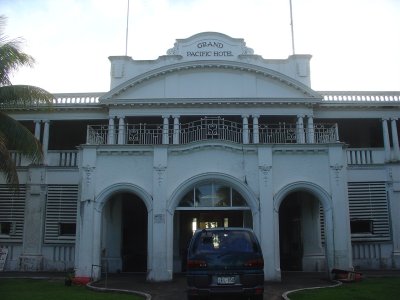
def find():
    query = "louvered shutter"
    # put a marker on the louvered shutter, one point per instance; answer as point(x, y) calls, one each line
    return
point(60, 209)
point(368, 201)
point(12, 210)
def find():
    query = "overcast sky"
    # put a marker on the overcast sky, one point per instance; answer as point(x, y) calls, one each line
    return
point(355, 44)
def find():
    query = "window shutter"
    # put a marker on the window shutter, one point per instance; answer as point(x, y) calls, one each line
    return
point(61, 207)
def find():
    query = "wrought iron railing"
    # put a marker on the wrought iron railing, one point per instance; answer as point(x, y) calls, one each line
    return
point(210, 129)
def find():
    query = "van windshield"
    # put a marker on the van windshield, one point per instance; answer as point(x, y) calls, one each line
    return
point(224, 241)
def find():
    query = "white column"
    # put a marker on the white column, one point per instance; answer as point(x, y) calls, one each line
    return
point(337, 132)
point(176, 130)
point(256, 136)
point(300, 130)
point(165, 137)
point(245, 129)
point(45, 143)
point(386, 141)
point(111, 139)
point(310, 130)
point(395, 140)
point(37, 130)
point(121, 131)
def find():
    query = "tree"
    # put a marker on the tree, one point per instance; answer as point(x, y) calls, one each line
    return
point(13, 135)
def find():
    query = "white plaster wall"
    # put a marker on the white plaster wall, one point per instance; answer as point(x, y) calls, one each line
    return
point(112, 169)
point(211, 83)
point(289, 167)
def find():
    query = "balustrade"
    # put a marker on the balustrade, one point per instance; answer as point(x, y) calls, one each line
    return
point(211, 129)
point(55, 158)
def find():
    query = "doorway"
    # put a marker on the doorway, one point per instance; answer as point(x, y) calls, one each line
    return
point(134, 235)
point(301, 233)
point(124, 237)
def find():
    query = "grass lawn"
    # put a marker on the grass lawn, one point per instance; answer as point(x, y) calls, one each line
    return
point(367, 289)
point(40, 289)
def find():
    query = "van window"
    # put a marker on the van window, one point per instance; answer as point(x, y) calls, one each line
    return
point(222, 241)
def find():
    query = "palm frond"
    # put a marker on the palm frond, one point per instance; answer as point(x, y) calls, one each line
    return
point(19, 138)
point(7, 165)
point(11, 56)
point(24, 95)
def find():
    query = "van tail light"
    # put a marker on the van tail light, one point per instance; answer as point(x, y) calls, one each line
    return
point(195, 264)
point(257, 263)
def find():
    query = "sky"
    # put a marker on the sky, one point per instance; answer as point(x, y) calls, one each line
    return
point(355, 44)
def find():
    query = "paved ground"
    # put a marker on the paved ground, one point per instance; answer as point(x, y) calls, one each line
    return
point(176, 289)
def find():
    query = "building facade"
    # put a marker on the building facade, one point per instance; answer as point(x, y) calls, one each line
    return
point(209, 134)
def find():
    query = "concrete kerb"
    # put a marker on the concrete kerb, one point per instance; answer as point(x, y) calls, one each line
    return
point(285, 295)
point(107, 290)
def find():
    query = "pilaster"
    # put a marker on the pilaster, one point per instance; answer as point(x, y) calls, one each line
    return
point(161, 255)
point(269, 216)
point(342, 251)
point(85, 263)
point(31, 258)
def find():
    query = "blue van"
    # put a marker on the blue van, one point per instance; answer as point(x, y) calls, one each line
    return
point(224, 261)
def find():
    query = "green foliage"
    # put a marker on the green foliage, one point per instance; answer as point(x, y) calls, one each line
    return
point(14, 136)
point(35, 289)
point(367, 289)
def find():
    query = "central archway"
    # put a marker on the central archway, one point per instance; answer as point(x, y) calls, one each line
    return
point(209, 201)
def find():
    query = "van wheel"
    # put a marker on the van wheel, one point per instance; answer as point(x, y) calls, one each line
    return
point(257, 297)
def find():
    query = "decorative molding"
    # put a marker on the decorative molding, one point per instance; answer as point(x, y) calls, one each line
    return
point(160, 169)
point(337, 168)
point(88, 172)
point(265, 169)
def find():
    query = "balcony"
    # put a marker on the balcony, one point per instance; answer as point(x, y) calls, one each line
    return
point(211, 129)
point(53, 158)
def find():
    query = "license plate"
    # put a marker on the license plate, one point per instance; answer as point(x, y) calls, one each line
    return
point(226, 280)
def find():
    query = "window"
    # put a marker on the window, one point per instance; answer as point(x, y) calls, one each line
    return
point(361, 226)
point(12, 212)
point(5, 228)
point(61, 207)
point(369, 211)
point(67, 229)
point(212, 195)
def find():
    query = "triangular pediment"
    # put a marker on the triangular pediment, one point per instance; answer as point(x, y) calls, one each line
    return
point(209, 80)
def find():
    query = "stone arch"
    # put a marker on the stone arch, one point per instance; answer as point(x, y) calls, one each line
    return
point(325, 199)
point(185, 186)
point(99, 205)
point(105, 194)
point(310, 187)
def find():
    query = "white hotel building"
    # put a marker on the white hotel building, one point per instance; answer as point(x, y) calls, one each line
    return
point(209, 134)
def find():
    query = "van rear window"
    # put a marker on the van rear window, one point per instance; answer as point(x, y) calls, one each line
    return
point(222, 241)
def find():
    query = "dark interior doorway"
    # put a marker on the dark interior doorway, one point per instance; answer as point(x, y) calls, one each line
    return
point(290, 233)
point(134, 234)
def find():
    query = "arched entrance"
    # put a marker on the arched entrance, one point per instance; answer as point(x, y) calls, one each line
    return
point(207, 204)
point(124, 233)
point(301, 233)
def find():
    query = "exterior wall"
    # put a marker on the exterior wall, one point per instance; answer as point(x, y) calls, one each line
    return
point(162, 173)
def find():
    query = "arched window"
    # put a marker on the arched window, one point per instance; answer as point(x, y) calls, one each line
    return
point(212, 194)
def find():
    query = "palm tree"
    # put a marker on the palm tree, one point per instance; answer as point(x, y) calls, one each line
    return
point(13, 135)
